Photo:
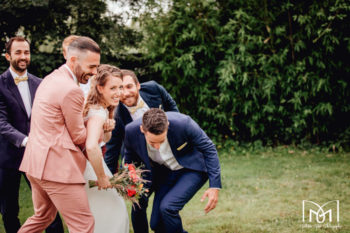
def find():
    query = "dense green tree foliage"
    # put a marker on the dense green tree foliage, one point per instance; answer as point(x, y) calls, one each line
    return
point(47, 22)
point(276, 71)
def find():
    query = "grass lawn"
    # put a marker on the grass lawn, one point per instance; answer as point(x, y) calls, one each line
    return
point(263, 191)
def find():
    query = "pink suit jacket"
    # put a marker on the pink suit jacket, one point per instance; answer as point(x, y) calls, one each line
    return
point(56, 130)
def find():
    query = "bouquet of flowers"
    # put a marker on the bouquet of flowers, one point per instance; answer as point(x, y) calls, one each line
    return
point(128, 182)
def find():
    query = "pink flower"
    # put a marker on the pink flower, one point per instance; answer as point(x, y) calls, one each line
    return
point(134, 176)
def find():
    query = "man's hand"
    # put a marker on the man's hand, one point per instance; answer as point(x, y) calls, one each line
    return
point(213, 197)
point(109, 125)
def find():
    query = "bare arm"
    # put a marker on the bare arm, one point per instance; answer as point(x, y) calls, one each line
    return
point(107, 136)
point(94, 153)
point(108, 126)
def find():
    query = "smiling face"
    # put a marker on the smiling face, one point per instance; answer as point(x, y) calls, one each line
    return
point(131, 91)
point(85, 66)
point(19, 56)
point(111, 91)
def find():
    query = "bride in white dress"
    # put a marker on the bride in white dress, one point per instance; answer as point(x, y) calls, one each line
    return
point(107, 206)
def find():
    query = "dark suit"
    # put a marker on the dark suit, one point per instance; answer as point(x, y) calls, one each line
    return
point(14, 127)
point(155, 96)
point(193, 150)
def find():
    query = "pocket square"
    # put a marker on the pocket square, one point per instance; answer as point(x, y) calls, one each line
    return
point(182, 146)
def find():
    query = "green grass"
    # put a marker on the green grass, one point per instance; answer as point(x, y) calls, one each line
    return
point(263, 192)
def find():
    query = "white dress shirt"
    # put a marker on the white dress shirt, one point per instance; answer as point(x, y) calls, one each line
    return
point(23, 89)
point(85, 88)
point(164, 156)
point(140, 111)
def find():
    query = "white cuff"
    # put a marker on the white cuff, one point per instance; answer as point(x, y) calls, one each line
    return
point(24, 142)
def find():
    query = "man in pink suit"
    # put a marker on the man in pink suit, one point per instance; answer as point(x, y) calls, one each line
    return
point(53, 159)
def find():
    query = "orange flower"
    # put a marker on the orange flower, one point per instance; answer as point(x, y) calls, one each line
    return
point(131, 167)
point(141, 186)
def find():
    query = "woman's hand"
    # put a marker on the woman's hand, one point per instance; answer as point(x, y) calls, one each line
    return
point(103, 182)
point(109, 125)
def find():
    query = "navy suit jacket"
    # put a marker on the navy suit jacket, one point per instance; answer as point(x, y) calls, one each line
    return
point(14, 121)
point(155, 96)
point(190, 145)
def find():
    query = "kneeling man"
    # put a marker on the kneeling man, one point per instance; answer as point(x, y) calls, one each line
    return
point(180, 157)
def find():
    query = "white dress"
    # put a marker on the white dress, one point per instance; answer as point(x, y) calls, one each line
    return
point(107, 206)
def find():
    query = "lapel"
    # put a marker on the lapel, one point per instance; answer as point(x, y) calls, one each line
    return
point(14, 90)
point(124, 114)
point(32, 88)
point(143, 149)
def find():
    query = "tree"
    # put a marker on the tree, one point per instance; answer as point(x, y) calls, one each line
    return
point(47, 22)
point(256, 70)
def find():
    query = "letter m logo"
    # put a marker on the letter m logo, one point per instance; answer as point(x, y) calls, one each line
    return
point(319, 212)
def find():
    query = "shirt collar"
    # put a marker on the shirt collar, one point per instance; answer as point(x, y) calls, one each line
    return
point(15, 75)
point(70, 71)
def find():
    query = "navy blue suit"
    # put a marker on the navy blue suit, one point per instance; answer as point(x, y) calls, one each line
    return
point(14, 127)
point(155, 96)
point(193, 150)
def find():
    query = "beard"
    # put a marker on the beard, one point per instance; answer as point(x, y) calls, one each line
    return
point(82, 77)
point(130, 101)
point(16, 67)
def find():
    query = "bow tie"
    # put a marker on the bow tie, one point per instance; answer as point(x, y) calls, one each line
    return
point(138, 106)
point(18, 79)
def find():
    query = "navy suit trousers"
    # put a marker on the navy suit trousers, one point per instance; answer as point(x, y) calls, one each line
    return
point(173, 189)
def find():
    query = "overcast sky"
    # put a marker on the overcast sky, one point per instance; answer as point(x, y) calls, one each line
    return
point(119, 9)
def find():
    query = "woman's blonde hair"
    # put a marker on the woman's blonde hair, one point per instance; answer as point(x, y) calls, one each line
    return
point(95, 97)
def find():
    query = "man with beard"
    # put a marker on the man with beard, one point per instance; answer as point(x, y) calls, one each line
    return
point(17, 90)
point(53, 160)
point(135, 101)
point(66, 42)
